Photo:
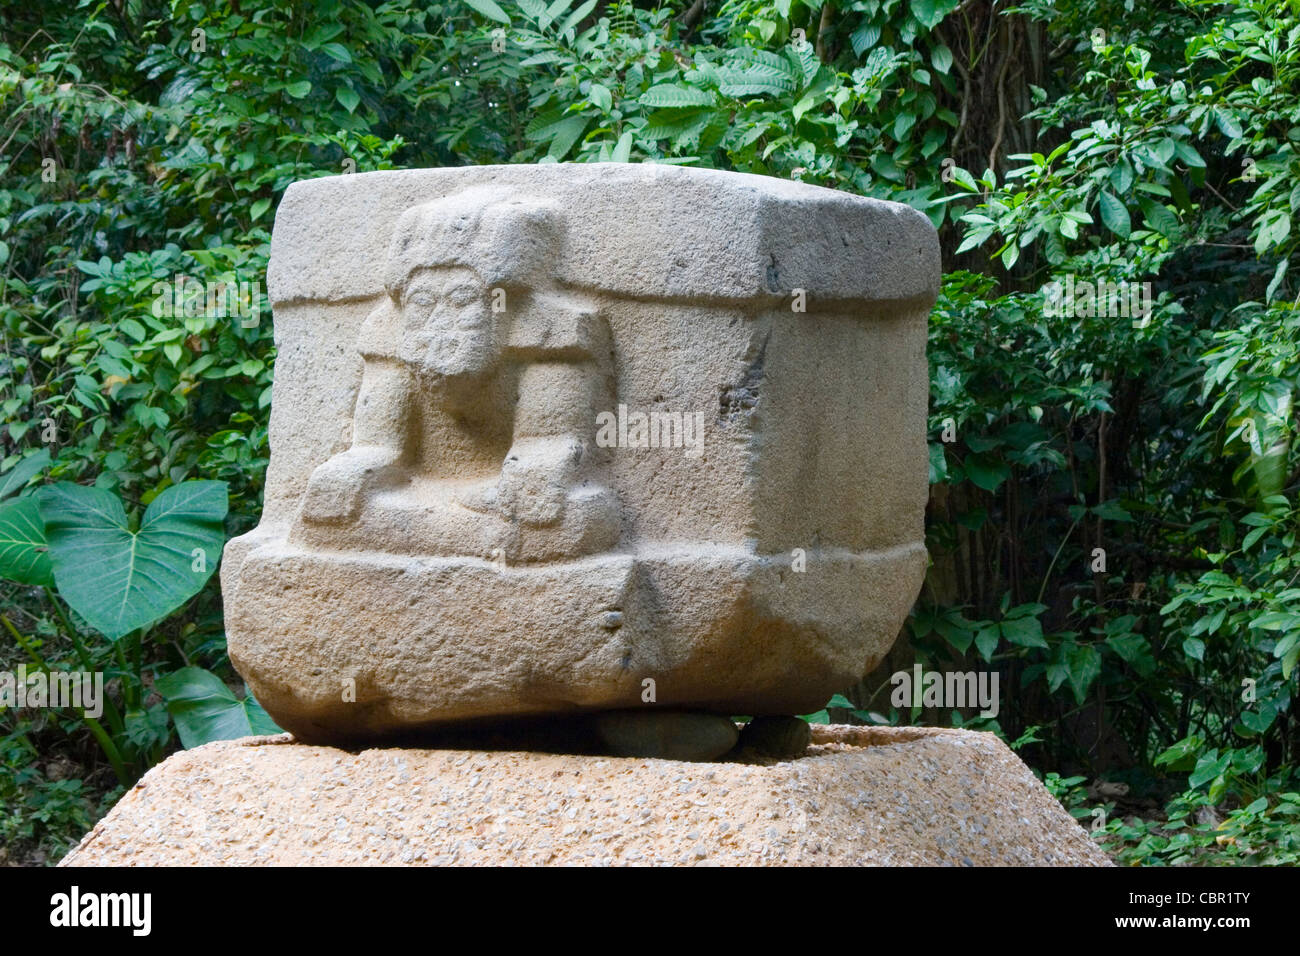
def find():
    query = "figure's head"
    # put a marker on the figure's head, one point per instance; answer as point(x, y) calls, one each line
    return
point(451, 260)
point(448, 328)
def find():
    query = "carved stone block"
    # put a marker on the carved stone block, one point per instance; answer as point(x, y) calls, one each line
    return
point(553, 439)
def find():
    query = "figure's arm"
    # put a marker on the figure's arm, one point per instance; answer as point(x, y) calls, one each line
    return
point(380, 432)
point(554, 422)
point(382, 417)
point(562, 349)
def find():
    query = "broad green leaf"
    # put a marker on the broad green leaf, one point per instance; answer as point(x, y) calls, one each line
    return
point(1274, 227)
point(133, 328)
point(1111, 511)
point(1121, 176)
point(1288, 649)
point(337, 51)
point(148, 728)
point(986, 641)
point(489, 9)
point(1134, 649)
point(1259, 721)
point(547, 15)
point(24, 552)
point(1227, 123)
point(673, 123)
point(348, 98)
point(205, 710)
point(986, 471)
point(1278, 274)
point(1115, 215)
point(119, 580)
point(601, 97)
point(1182, 755)
point(1188, 154)
point(931, 12)
point(1208, 767)
point(938, 464)
point(1084, 666)
point(623, 148)
point(1159, 218)
point(941, 58)
point(953, 628)
point(537, 59)
point(567, 132)
point(1025, 631)
point(16, 478)
point(576, 16)
point(671, 94)
point(864, 38)
point(763, 73)
point(1276, 621)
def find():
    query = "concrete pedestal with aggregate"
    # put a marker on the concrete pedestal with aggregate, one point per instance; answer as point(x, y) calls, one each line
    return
point(891, 796)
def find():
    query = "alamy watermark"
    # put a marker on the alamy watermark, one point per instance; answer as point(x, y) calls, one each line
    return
point(655, 429)
point(948, 689)
point(82, 689)
point(1074, 298)
point(75, 909)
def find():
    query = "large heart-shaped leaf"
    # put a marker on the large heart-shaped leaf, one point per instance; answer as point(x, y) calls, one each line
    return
point(205, 710)
point(24, 553)
point(117, 579)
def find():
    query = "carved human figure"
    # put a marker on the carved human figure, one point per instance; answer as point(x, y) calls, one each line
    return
point(473, 427)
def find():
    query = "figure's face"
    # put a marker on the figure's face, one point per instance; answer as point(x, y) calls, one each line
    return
point(448, 329)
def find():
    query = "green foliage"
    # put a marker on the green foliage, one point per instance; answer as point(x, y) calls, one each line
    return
point(204, 708)
point(38, 807)
point(1169, 437)
point(1265, 832)
point(623, 87)
point(118, 579)
point(24, 553)
point(1113, 508)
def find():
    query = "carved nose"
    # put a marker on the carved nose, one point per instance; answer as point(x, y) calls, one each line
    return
point(471, 319)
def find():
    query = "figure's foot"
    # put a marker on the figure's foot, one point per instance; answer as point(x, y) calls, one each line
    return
point(336, 488)
point(591, 524)
point(668, 734)
point(535, 480)
point(482, 497)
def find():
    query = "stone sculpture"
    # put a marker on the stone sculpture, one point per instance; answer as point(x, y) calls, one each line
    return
point(472, 429)
point(564, 440)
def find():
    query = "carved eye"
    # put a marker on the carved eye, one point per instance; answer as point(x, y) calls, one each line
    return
point(424, 298)
point(462, 295)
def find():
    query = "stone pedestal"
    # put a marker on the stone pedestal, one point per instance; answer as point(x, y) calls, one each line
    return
point(858, 796)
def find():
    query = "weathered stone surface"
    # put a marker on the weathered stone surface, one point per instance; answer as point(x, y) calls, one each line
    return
point(900, 796)
point(448, 534)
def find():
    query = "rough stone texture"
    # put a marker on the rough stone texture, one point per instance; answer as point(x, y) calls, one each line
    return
point(903, 796)
point(447, 537)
